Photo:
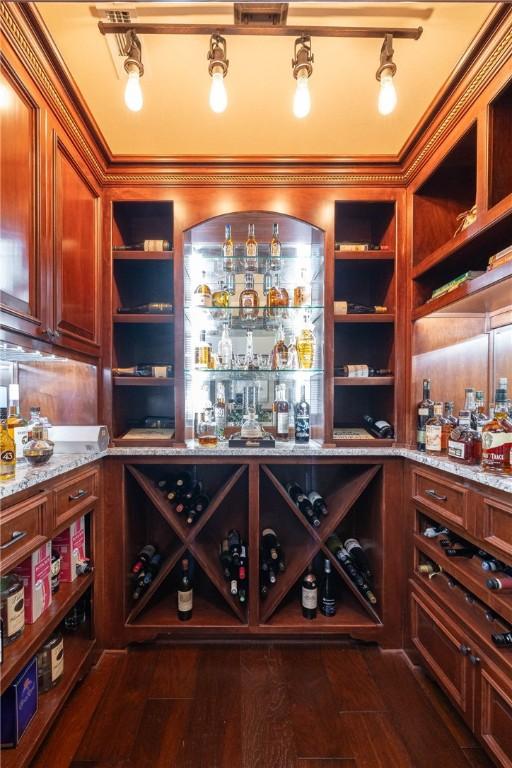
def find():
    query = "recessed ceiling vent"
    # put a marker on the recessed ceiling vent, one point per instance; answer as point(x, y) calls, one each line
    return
point(117, 13)
point(118, 17)
point(261, 14)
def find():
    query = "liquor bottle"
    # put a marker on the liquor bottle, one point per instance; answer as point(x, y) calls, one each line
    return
point(277, 298)
point(251, 251)
point(203, 353)
point(502, 639)
point(327, 600)
point(293, 356)
point(220, 411)
point(465, 443)
point(269, 543)
point(309, 595)
point(202, 295)
point(275, 249)
point(470, 404)
point(185, 593)
point(155, 371)
point(437, 432)
point(146, 245)
point(302, 418)
point(228, 250)
point(152, 308)
point(349, 308)
point(249, 351)
point(16, 424)
point(359, 556)
point(380, 427)
point(503, 583)
point(306, 344)
point(34, 419)
point(206, 433)
point(282, 413)
point(318, 503)
point(302, 292)
point(279, 351)
point(497, 440)
point(144, 556)
point(448, 414)
point(249, 300)
point(7, 450)
point(481, 416)
point(267, 278)
point(250, 428)
point(352, 371)
point(220, 297)
point(303, 503)
point(225, 348)
point(425, 411)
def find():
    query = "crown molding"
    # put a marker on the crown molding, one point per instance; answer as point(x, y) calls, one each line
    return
point(26, 32)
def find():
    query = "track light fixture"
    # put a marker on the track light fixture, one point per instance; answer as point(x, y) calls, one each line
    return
point(134, 69)
point(302, 65)
point(218, 68)
point(385, 75)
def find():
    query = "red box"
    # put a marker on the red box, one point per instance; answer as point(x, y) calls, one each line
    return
point(70, 544)
point(36, 574)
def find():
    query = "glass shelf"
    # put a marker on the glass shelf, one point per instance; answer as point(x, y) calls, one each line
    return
point(259, 372)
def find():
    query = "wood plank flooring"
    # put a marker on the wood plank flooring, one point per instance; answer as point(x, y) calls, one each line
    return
point(260, 706)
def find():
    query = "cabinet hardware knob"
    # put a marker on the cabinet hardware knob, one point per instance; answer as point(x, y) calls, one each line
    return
point(15, 536)
point(464, 649)
point(78, 495)
point(474, 659)
point(431, 492)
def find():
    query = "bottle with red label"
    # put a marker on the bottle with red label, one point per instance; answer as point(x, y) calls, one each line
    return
point(497, 438)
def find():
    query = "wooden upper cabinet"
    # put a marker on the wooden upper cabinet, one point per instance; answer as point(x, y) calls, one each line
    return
point(76, 254)
point(20, 295)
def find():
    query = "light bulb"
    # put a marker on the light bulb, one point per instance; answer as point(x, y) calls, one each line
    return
point(133, 92)
point(5, 97)
point(387, 93)
point(302, 98)
point(218, 94)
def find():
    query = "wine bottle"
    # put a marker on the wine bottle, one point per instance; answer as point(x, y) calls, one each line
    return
point(146, 576)
point(468, 551)
point(302, 418)
point(303, 503)
point(335, 546)
point(151, 308)
point(235, 544)
point(242, 583)
point(146, 245)
point(359, 556)
point(361, 371)
point(425, 410)
point(349, 308)
point(309, 594)
point(327, 599)
point(225, 558)
point(155, 371)
point(193, 491)
point(502, 639)
point(434, 530)
point(200, 503)
point(183, 481)
point(318, 503)
point(504, 583)
point(380, 428)
point(144, 556)
point(270, 543)
point(490, 563)
point(185, 593)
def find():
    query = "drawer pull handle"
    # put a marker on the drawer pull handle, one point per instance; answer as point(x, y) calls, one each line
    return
point(474, 659)
point(78, 495)
point(464, 649)
point(15, 536)
point(437, 496)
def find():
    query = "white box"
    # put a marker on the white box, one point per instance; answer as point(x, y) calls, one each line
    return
point(92, 439)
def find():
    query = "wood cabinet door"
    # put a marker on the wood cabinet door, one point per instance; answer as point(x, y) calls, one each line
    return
point(20, 269)
point(495, 713)
point(444, 650)
point(76, 254)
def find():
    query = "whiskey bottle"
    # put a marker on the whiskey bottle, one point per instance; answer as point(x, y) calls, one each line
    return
point(448, 414)
point(282, 414)
point(349, 308)
point(302, 292)
point(249, 300)
point(326, 598)
point(361, 371)
point(306, 344)
point(279, 351)
point(470, 404)
point(497, 438)
point(185, 593)
point(146, 245)
point(202, 295)
point(277, 298)
point(380, 428)
point(7, 450)
point(203, 353)
point(225, 348)
point(275, 249)
point(155, 371)
point(17, 426)
point(425, 411)
point(309, 595)
point(437, 431)
point(465, 443)
point(251, 251)
point(220, 297)
point(228, 250)
point(302, 418)
point(152, 308)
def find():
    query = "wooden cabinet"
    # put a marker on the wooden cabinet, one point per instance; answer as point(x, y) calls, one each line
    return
point(495, 713)
point(440, 494)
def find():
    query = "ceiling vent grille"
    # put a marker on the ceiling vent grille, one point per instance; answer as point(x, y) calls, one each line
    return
point(117, 13)
point(261, 14)
point(118, 17)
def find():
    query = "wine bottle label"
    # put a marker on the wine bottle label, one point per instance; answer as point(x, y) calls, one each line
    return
point(309, 598)
point(57, 661)
point(283, 423)
point(342, 307)
point(159, 371)
point(381, 424)
point(185, 600)
point(155, 245)
point(328, 606)
point(355, 371)
point(15, 613)
point(433, 437)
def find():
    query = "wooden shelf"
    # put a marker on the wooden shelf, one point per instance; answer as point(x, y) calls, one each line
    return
point(142, 318)
point(486, 293)
point(206, 614)
point(142, 255)
point(77, 654)
point(21, 651)
point(382, 317)
point(363, 443)
point(364, 381)
point(162, 574)
point(364, 255)
point(142, 381)
point(121, 442)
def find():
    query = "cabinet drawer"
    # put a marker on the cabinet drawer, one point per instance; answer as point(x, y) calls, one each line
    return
point(444, 650)
point(494, 523)
point(23, 529)
point(448, 499)
point(75, 495)
point(496, 715)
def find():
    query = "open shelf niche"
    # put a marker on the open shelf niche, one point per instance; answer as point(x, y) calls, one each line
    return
point(226, 486)
point(500, 141)
point(302, 544)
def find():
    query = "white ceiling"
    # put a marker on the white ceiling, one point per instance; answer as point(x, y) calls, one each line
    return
point(176, 118)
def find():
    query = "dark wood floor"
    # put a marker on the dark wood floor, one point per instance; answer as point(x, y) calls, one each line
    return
point(259, 707)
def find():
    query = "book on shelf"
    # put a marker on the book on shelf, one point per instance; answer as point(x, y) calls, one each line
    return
point(352, 433)
point(346, 246)
point(453, 284)
point(502, 257)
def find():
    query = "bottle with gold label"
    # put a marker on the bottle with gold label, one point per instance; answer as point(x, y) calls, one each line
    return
point(7, 450)
point(220, 297)
point(228, 250)
point(302, 292)
point(275, 249)
point(202, 295)
point(277, 298)
point(306, 344)
point(279, 351)
point(437, 431)
point(251, 251)
point(203, 353)
point(16, 424)
point(249, 299)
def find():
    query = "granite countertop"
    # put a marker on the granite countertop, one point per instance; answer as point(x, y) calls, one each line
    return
point(59, 464)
